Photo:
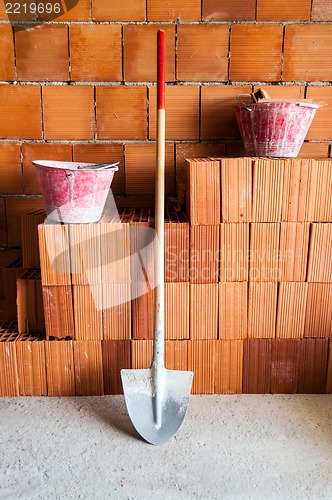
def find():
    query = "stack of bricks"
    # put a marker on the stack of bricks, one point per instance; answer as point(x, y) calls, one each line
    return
point(274, 220)
point(248, 288)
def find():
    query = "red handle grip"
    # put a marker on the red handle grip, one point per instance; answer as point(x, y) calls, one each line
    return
point(161, 69)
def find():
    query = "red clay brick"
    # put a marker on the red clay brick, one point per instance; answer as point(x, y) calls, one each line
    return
point(256, 366)
point(80, 12)
point(7, 13)
point(248, 59)
point(283, 10)
point(218, 120)
point(121, 113)
point(182, 115)
point(10, 171)
point(3, 227)
point(314, 150)
point(96, 52)
point(308, 53)
point(130, 10)
point(68, 112)
point(15, 207)
point(174, 10)
point(322, 123)
point(7, 53)
point(190, 150)
point(228, 10)
point(141, 168)
point(202, 53)
point(39, 151)
point(42, 53)
point(321, 10)
point(20, 112)
point(140, 45)
point(104, 152)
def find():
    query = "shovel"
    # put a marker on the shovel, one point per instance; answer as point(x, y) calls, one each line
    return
point(156, 398)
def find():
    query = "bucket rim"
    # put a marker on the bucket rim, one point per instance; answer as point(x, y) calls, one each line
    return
point(273, 102)
point(73, 165)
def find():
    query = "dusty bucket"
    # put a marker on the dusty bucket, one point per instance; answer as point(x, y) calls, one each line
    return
point(74, 192)
point(274, 128)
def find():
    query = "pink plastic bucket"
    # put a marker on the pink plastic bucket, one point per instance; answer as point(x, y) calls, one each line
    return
point(72, 193)
point(274, 128)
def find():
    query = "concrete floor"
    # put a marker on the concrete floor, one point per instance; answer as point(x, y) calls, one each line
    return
point(250, 447)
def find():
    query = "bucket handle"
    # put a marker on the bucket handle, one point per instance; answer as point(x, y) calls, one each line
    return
point(240, 96)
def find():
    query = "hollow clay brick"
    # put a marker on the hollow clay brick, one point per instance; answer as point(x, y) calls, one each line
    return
point(31, 366)
point(176, 311)
point(96, 153)
point(58, 312)
point(141, 353)
point(202, 53)
point(10, 173)
point(95, 52)
point(182, 117)
point(85, 256)
point(60, 368)
point(142, 310)
point(264, 251)
point(30, 314)
point(228, 366)
point(115, 252)
point(116, 311)
point(142, 237)
point(174, 10)
point(30, 247)
point(8, 366)
point(303, 60)
point(15, 207)
point(218, 120)
point(262, 310)
point(176, 354)
point(141, 169)
point(242, 10)
point(121, 112)
point(247, 59)
point(3, 223)
point(292, 299)
point(140, 46)
point(318, 314)
point(298, 185)
point(42, 53)
point(88, 365)
point(54, 254)
point(329, 370)
point(285, 365)
point(320, 191)
point(7, 53)
point(203, 311)
point(21, 112)
point(204, 254)
point(256, 366)
point(320, 259)
point(314, 150)
point(87, 303)
point(293, 251)
point(236, 189)
point(320, 129)
point(267, 190)
point(233, 311)
point(313, 366)
point(201, 360)
point(234, 252)
point(298, 10)
point(116, 356)
point(202, 184)
point(76, 120)
point(10, 275)
point(176, 246)
point(131, 10)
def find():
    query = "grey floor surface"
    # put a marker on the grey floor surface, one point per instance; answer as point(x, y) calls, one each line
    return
point(247, 447)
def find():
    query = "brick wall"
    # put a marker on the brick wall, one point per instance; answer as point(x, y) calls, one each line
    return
point(82, 86)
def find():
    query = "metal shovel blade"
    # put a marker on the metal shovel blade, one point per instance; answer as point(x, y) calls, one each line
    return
point(142, 402)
